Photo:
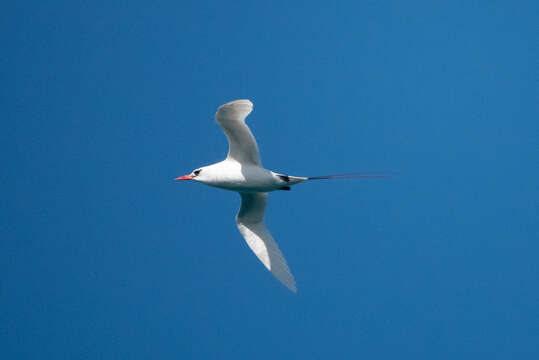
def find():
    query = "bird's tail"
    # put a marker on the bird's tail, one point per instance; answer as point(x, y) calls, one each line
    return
point(357, 175)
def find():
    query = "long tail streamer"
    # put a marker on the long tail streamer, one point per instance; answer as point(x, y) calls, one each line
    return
point(358, 175)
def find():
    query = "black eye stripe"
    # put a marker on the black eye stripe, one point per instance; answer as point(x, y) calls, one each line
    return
point(196, 172)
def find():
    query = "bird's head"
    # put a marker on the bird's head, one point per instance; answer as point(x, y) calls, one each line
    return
point(194, 175)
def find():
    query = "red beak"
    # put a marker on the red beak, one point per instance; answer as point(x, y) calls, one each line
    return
point(185, 177)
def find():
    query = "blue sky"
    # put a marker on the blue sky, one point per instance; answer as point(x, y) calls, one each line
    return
point(103, 256)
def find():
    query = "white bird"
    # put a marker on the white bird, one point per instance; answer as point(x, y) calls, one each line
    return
point(242, 171)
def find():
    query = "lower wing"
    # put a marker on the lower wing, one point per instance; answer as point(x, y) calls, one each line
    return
point(250, 222)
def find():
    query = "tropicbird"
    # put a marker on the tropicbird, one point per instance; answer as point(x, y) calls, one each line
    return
point(242, 171)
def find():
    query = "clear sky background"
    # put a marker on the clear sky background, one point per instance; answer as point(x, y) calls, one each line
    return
point(104, 103)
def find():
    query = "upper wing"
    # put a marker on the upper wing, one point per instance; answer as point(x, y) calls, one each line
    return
point(242, 145)
point(250, 222)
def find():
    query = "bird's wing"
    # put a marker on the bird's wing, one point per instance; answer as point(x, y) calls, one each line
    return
point(250, 222)
point(242, 145)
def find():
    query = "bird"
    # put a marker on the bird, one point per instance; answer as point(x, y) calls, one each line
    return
point(242, 172)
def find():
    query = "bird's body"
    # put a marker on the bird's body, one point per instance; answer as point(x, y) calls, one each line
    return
point(232, 175)
point(242, 171)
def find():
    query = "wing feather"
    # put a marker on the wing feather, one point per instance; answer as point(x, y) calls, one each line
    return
point(250, 220)
point(242, 145)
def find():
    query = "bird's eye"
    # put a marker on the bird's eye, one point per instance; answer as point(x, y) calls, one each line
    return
point(196, 172)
